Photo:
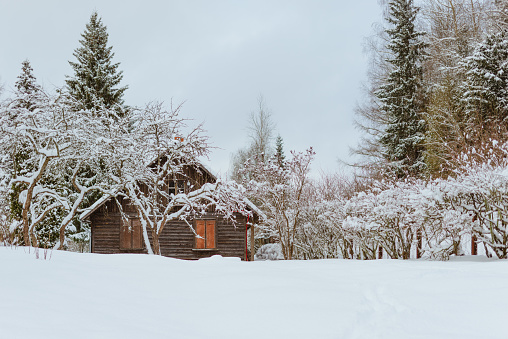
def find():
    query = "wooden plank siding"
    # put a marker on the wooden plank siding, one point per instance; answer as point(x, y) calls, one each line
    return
point(176, 240)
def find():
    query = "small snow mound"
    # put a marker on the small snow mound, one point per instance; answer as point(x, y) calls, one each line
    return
point(472, 258)
point(218, 257)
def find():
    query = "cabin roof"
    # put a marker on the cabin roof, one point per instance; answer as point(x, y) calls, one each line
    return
point(254, 208)
point(199, 164)
point(88, 211)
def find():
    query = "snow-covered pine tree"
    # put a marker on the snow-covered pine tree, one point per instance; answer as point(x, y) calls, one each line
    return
point(27, 88)
point(401, 96)
point(96, 77)
point(28, 96)
point(279, 151)
point(486, 85)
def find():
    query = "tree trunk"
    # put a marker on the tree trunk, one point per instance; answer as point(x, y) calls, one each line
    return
point(474, 245)
point(26, 237)
point(62, 238)
point(155, 241)
point(33, 238)
point(28, 202)
point(419, 244)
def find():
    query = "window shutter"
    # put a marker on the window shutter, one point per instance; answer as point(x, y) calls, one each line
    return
point(125, 235)
point(210, 234)
point(137, 239)
point(200, 230)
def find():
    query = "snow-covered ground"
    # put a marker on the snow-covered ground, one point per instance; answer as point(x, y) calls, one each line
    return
point(139, 296)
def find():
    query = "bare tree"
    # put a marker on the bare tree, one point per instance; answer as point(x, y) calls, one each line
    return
point(261, 129)
point(499, 14)
point(261, 133)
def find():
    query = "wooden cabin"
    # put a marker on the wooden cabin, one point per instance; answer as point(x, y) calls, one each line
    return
point(110, 233)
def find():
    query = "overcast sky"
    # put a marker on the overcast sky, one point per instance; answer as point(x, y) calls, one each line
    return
point(304, 57)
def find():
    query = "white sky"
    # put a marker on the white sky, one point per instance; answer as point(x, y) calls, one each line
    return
point(304, 57)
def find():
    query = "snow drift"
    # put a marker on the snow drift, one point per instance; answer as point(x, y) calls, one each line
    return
point(73, 295)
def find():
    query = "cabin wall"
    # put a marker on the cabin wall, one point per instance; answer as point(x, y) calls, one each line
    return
point(176, 240)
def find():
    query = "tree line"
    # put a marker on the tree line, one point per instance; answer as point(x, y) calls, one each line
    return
point(431, 176)
point(437, 86)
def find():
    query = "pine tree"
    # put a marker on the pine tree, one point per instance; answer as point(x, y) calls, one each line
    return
point(27, 88)
point(28, 96)
point(95, 80)
point(279, 151)
point(401, 95)
point(486, 88)
point(94, 85)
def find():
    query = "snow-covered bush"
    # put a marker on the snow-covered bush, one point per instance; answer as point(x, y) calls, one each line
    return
point(321, 235)
point(403, 219)
point(269, 252)
point(414, 218)
point(482, 194)
point(435, 218)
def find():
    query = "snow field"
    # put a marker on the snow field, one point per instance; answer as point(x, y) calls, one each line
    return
point(139, 296)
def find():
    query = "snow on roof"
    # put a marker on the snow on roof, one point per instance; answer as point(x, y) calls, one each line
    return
point(86, 213)
point(254, 208)
point(208, 170)
point(200, 164)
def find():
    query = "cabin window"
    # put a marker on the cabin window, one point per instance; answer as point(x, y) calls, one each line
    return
point(176, 186)
point(130, 234)
point(206, 230)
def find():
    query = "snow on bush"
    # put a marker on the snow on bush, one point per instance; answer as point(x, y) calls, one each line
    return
point(414, 218)
point(269, 252)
